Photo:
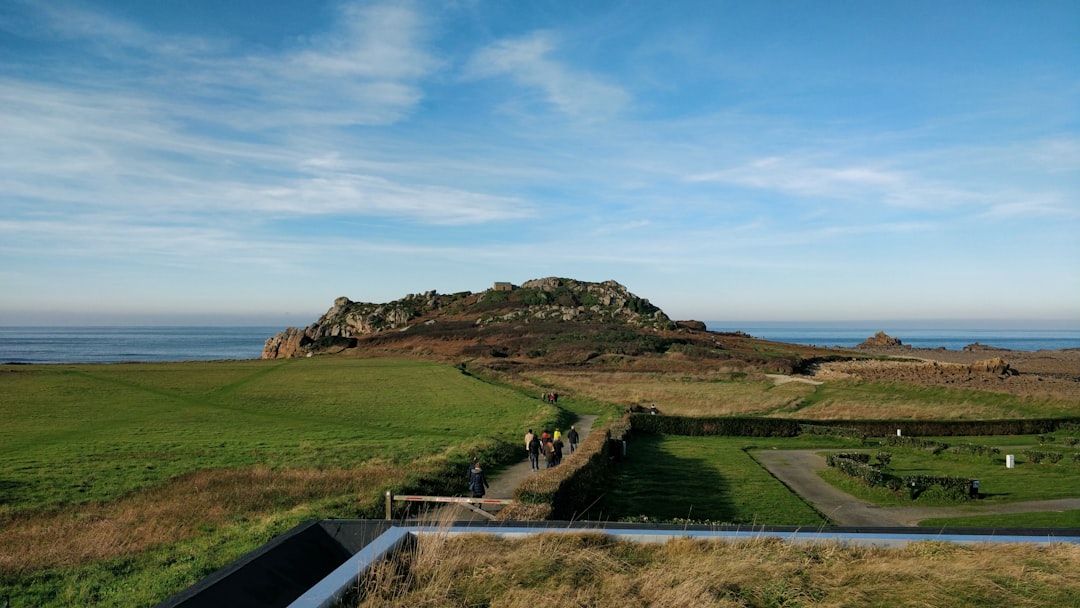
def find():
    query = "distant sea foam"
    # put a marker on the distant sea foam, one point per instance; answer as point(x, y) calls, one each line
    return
point(120, 344)
point(851, 334)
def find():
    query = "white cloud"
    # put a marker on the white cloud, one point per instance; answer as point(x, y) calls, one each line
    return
point(528, 62)
point(865, 184)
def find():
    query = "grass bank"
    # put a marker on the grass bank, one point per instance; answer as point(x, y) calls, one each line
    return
point(121, 484)
point(703, 479)
point(594, 570)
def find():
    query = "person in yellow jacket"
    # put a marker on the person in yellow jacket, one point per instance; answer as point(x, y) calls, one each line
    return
point(557, 435)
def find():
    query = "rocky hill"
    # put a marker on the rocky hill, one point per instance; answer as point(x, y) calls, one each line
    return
point(538, 301)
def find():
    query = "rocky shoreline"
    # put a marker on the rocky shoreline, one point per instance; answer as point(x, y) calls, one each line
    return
point(977, 366)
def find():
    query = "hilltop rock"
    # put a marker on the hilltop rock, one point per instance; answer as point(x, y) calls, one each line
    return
point(695, 325)
point(550, 299)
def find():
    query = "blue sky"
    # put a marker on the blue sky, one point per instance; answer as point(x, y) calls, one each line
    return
point(249, 161)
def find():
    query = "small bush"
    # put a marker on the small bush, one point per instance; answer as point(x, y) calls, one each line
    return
point(975, 449)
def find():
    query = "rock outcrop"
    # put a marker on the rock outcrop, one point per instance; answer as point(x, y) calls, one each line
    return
point(549, 299)
point(881, 340)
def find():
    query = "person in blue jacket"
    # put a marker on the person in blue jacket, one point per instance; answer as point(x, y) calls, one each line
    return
point(477, 482)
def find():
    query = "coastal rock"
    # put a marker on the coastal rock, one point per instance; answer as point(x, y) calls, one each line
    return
point(975, 347)
point(881, 340)
point(695, 325)
point(996, 366)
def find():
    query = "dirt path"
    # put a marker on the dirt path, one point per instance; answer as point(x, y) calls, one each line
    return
point(504, 484)
point(797, 469)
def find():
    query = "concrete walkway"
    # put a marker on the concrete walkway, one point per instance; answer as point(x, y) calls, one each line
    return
point(797, 469)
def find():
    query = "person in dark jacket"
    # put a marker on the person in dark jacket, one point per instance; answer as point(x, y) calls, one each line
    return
point(572, 438)
point(534, 452)
point(477, 482)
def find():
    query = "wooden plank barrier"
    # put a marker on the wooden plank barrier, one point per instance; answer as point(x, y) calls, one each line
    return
point(451, 499)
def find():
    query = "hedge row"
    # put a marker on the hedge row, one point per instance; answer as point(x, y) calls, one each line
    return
point(957, 488)
point(570, 488)
point(860, 457)
point(915, 442)
point(833, 431)
point(786, 427)
point(975, 449)
point(1037, 456)
point(727, 425)
point(854, 465)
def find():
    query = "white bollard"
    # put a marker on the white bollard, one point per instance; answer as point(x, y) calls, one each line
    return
point(898, 432)
point(1010, 461)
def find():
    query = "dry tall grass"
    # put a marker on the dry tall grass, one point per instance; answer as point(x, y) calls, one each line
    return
point(79, 534)
point(594, 570)
point(683, 394)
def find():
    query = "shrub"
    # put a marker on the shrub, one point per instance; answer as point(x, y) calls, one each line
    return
point(884, 458)
point(730, 426)
point(855, 465)
point(949, 488)
point(936, 447)
point(1035, 456)
point(834, 431)
point(975, 449)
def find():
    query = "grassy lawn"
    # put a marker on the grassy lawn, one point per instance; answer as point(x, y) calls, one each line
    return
point(121, 484)
point(707, 479)
point(997, 484)
point(1047, 519)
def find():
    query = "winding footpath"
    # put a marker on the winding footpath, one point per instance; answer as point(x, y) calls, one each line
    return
point(506, 482)
point(797, 469)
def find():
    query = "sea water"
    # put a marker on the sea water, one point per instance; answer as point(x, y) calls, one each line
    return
point(147, 344)
point(120, 344)
point(849, 335)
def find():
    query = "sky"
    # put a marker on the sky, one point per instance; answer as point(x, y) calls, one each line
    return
point(246, 162)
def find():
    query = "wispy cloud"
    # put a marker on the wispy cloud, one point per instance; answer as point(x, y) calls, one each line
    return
point(528, 61)
point(859, 183)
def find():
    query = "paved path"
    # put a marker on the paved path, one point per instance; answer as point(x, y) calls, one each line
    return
point(504, 484)
point(797, 469)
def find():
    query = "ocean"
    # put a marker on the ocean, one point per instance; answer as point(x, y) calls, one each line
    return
point(148, 344)
point(122, 344)
point(850, 334)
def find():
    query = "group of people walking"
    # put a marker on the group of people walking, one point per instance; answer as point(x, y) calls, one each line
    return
point(550, 445)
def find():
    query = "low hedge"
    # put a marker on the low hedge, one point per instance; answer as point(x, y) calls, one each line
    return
point(570, 488)
point(975, 449)
point(856, 465)
point(736, 426)
point(916, 442)
point(832, 431)
point(788, 427)
point(860, 457)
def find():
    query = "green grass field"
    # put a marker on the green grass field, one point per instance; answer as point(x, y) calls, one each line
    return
point(135, 480)
point(704, 479)
point(997, 484)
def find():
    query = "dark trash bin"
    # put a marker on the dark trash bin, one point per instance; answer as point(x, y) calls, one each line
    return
point(973, 490)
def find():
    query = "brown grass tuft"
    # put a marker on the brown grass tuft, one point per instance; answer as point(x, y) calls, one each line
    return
point(87, 533)
point(595, 570)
